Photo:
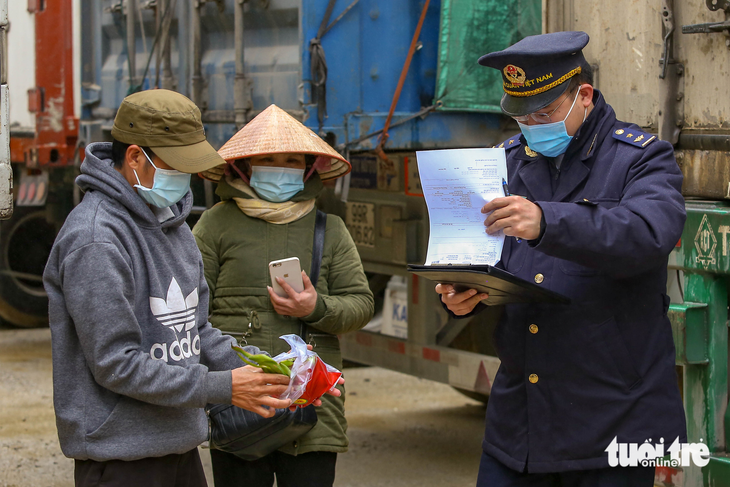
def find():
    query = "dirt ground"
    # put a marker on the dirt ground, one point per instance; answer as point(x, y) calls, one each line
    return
point(403, 431)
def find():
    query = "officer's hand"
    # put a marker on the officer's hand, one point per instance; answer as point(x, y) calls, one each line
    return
point(517, 216)
point(295, 304)
point(459, 303)
point(252, 389)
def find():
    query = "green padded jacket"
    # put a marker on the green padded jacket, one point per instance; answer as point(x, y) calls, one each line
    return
point(236, 252)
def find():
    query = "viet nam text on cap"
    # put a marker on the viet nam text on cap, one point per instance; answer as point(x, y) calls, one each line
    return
point(537, 69)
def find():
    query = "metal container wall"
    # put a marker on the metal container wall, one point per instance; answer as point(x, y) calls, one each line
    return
point(626, 44)
point(365, 52)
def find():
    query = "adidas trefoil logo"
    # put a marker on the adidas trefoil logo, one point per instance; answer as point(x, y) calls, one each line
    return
point(177, 313)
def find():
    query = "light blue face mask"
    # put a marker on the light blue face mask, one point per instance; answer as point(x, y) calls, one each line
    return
point(168, 186)
point(550, 139)
point(277, 184)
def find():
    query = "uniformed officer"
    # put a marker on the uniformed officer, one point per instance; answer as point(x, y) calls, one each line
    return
point(598, 212)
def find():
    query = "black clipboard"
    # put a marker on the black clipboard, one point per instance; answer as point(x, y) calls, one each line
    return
point(501, 286)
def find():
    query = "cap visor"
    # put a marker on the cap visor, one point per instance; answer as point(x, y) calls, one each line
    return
point(191, 159)
point(517, 106)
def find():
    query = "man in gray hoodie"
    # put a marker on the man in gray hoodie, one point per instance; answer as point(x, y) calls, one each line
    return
point(135, 359)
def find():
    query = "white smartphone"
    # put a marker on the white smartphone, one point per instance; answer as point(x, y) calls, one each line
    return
point(288, 269)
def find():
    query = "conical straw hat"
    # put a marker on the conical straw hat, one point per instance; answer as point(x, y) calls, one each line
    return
point(275, 131)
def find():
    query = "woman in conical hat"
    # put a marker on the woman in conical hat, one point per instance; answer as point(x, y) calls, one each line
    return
point(274, 172)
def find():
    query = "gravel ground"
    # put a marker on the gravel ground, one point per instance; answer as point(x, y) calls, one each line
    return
point(403, 431)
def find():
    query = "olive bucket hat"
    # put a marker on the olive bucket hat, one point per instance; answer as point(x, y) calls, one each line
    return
point(170, 124)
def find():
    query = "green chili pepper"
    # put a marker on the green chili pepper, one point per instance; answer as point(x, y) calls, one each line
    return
point(285, 370)
point(267, 364)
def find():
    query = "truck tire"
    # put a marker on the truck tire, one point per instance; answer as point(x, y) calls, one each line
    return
point(25, 244)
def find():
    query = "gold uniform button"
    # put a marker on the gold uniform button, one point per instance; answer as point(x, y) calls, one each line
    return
point(539, 278)
point(533, 329)
point(533, 378)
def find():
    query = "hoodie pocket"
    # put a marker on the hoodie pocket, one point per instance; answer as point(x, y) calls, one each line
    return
point(99, 431)
point(137, 429)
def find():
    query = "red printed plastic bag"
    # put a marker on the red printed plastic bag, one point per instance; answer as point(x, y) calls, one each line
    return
point(310, 376)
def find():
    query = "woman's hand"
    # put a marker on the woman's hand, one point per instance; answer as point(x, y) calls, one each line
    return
point(295, 304)
point(332, 392)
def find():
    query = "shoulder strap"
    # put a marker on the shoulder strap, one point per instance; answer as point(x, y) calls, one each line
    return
point(320, 224)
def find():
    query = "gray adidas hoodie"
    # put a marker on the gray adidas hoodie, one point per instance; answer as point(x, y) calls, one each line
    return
point(133, 352)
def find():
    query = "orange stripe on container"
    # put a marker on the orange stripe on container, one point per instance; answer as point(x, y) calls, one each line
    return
point(397, 347)
point(431, 354)
point(364, 339)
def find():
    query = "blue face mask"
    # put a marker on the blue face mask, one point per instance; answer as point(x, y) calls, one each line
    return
point(550, 139)
point(168, 186)
point(277, 184)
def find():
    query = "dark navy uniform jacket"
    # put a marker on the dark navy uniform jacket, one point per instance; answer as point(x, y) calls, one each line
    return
point(575, 376)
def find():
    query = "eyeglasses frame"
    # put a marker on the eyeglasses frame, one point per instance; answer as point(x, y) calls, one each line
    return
point(523, 118)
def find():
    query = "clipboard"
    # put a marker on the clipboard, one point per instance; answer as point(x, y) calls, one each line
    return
point(502, 287)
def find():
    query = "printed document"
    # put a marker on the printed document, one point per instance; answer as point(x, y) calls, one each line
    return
point(456, 184)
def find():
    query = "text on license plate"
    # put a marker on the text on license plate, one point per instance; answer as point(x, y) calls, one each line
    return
point(360, 221)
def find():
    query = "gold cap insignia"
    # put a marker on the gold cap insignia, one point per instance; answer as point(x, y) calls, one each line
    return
point(514, 75)
point(530, 152)
point(619, 131)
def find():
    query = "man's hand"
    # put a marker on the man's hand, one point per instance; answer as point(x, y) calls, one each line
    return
point(252, 389)
point(296, 304)
point(517, 216)
point(459, 303)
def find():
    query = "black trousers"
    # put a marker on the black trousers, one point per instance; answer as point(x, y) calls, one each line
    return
point(314, 469)
point(493, 473)
point(183, 470)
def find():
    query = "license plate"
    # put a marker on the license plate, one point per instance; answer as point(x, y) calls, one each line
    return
point(360, 221)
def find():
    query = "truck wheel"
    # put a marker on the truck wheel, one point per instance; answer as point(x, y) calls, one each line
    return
point(25, 244)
